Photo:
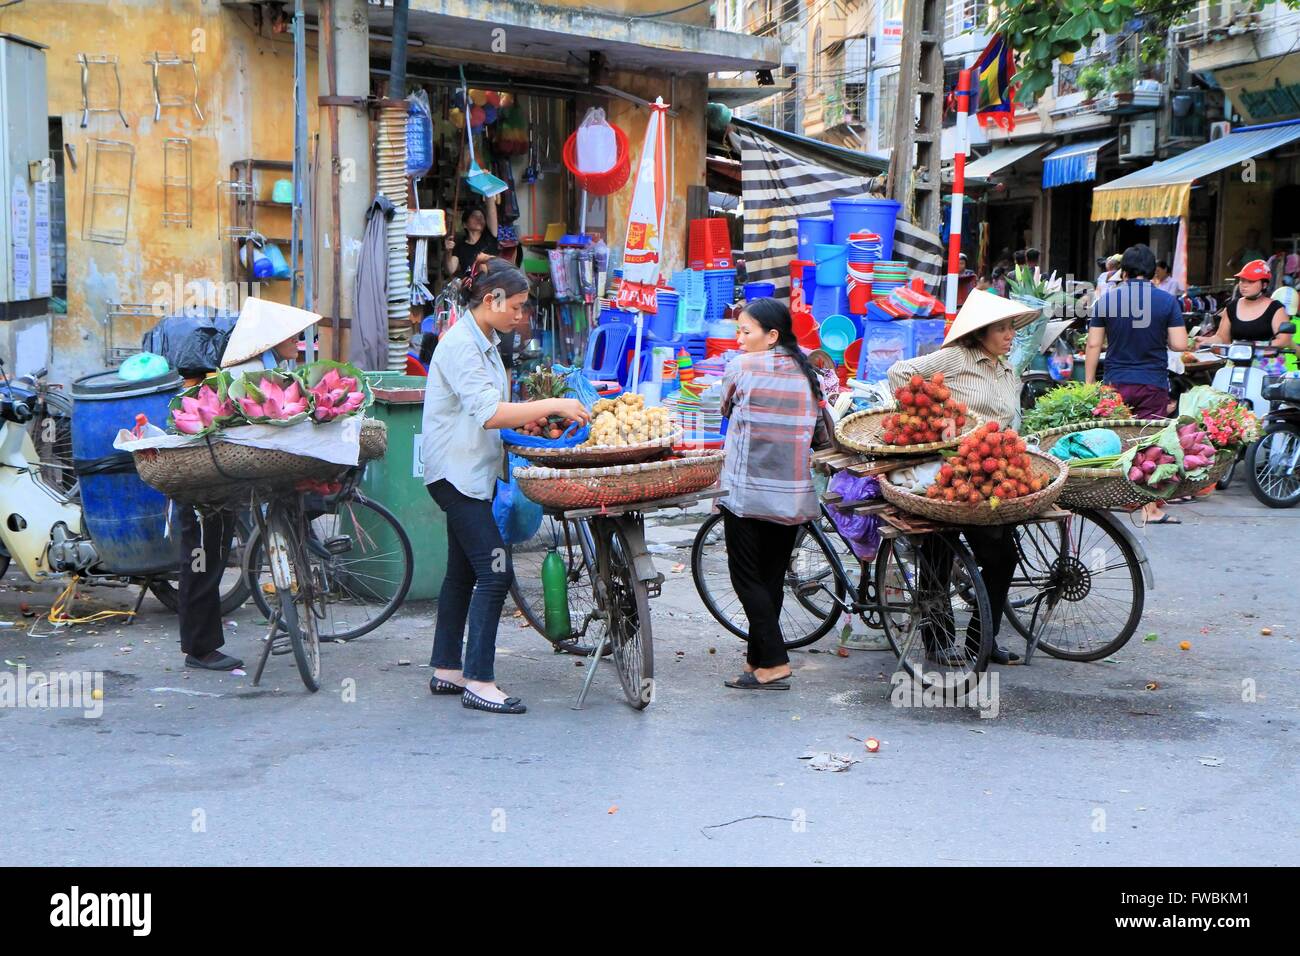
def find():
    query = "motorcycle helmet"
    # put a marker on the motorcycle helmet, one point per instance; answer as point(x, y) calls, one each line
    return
point(1256, 271)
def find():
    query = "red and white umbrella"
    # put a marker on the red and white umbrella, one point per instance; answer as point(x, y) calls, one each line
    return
point(643, 248)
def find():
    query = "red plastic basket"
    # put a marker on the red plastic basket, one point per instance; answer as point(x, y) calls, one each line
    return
point(610, 181)
point(710, 245)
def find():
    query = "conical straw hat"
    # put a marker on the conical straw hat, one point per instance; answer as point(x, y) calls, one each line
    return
point(262, 325)
point(983, 309)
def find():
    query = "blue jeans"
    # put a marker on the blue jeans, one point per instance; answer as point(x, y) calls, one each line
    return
point(478, 578)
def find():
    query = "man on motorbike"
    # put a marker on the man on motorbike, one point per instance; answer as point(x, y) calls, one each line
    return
point(266, 336)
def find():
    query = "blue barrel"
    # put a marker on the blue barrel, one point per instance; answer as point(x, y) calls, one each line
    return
point(866, 215)
point(759, 290)
point(125, 517)
point(811, 232)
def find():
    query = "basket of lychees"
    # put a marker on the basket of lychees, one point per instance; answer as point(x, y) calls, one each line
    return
point(991, 478)
point(926, 418)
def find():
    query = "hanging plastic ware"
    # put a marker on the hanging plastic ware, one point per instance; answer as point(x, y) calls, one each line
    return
point(419, 135)
point(279, 265)
point(477, 117)
point(477, 97)
point(594, 143)
point(489, 114)
point(492, 98)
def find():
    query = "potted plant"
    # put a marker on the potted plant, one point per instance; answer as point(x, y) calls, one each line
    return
point(1120, 77)
point(1092, 80)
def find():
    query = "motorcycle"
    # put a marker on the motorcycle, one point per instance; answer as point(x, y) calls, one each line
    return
point(1273, 462)
point(42, 527)
point(1241, 378)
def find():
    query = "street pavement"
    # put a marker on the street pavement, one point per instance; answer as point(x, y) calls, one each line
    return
point(1083, 765)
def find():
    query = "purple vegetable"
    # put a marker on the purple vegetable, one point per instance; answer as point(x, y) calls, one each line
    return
point(1165, 459)
point(1135, 473)
point(1193, 462)
point(1148, 467)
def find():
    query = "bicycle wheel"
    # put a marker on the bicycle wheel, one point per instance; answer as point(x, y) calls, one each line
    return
point(627, 609)
point(291, 594)
point(361, 567)
point(808, 611)
point(1078, 584)
point(932, 601)
point(234, 584)
point(1271, 466)
point(526, 586)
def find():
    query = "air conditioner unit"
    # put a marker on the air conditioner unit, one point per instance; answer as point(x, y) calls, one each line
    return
point(1137, 140)
point(1219, 130)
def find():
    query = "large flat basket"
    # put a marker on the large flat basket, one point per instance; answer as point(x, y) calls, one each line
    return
point(1007, 512)
point(621, 484)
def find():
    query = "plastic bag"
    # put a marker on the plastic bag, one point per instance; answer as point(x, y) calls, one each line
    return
point(1024, 347)
point(597, 147)
point(419, 135)
point(581, 388)
point(279, 265)
point(1201, 398)
point(518, 518)
point(861, 531)
point(1060, 364)
point(1092, 443)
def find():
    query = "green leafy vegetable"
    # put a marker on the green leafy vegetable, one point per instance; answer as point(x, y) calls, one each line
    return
point(1071, 404)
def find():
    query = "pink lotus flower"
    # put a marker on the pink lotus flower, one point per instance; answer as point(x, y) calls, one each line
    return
point(336, 395)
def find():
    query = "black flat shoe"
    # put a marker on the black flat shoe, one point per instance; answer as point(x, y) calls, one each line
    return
point(747, 681)
point(444, 687)
point(1001, 655)
point(222, 662)
point(511, 705)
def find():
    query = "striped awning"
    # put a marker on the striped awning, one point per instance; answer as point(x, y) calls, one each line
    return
point(1073, 163)
point(999, 159)
point(1164, 189)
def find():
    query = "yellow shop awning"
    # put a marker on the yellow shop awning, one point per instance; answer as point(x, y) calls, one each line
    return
point(1163, 189)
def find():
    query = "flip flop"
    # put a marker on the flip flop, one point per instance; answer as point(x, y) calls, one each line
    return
point(748, 681)
point(1166, 519)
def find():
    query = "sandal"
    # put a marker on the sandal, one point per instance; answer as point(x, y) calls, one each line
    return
point(439, 686)
point(472, 701)
point(1166, 518)
point(747, 681)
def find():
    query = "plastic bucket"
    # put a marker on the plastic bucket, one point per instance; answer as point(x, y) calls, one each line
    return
point(811, 232)
point(837, 334)
point(125, 517)
point(759, 290)
point(865, 215)
point(662, 325)
point(832, 264)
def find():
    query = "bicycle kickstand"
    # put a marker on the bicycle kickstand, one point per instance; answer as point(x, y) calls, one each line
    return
point(266, 651)
point(591, 670)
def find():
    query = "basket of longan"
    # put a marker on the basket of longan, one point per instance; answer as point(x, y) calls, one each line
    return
point(623, 432)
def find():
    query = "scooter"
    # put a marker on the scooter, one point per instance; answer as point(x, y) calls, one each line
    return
point(41, 527)
point(1245, 382)
point(1273, 462)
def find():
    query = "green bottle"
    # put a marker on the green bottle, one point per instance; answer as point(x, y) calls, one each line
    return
point(555, 596)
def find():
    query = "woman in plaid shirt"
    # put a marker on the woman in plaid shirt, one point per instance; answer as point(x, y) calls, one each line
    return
point(773, 399)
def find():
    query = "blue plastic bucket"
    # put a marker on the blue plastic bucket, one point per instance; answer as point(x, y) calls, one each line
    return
point(663, 324)
point(124, 516)
point(811, 232)
point(759, 290)
point(832, 264)
point(866, 215)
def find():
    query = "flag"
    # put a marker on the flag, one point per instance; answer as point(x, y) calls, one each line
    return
point(645, 221)
point(993, 90)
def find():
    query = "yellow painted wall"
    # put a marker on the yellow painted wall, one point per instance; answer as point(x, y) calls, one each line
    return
point(246, 95)
point(698, 16)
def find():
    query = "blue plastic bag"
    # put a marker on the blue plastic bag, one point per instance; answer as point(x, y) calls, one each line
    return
point(575, 434)
point(518, 518)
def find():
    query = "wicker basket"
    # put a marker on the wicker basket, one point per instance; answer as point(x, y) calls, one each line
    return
point(1106, 489)
point(1007, 512)
point(620, 484)
point(861, 432)
point(598, 456)
point(1222, 462)
point(220, 471)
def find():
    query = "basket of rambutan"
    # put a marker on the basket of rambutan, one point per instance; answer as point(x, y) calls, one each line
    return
point(926, 418)
point(992, 478)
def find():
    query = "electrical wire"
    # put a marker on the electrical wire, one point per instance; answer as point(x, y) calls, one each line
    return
point(58, 614)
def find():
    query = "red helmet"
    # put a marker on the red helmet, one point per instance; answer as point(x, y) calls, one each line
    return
point(1255, 270)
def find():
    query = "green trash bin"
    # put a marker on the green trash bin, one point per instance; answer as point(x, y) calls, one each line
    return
point(397, 480)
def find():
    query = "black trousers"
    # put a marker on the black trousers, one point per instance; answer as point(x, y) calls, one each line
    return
point(200, 590)
point(994, 550)
point(758, 554)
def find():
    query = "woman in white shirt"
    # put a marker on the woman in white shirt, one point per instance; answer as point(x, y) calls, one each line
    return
point(466, 402)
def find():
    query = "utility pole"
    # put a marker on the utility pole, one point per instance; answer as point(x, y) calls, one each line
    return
point(918, 131)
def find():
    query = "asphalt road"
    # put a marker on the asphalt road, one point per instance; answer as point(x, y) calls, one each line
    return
point(1083, 765)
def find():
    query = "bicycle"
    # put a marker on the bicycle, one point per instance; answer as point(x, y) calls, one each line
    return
point(922, 585)
point(359, 560)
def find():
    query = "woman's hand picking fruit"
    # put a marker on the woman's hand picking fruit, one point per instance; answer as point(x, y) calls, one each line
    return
point(570, 409)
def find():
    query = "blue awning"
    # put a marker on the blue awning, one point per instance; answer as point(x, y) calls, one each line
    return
point(1074, 163)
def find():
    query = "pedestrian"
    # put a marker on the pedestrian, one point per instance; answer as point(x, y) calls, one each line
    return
point(466, 403)
point(1163, 281)
point(264, 337)
point(773, 399)
point(1251, 250)
point(1138, 324)
point(479, 237)
point(1110, 277)
point(973, 360)
point(1287, 295)
point(1032, 260)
